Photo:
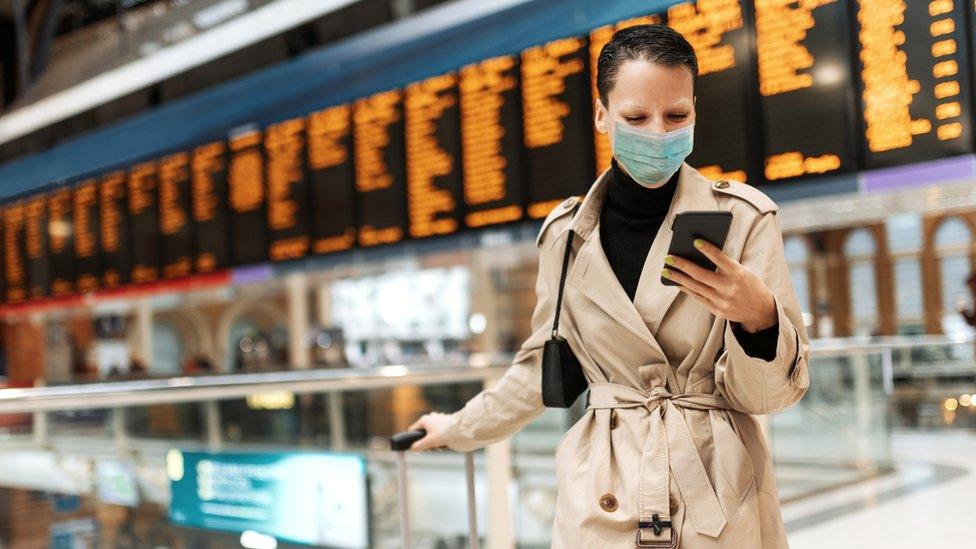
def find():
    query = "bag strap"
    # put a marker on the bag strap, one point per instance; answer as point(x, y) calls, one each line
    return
point(562, 275)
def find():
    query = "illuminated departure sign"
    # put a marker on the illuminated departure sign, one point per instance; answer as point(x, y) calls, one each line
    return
point(491, 141)
point(558, 121)
point(60, 236)
point(209, 207)
point(174, 215)
point(915, 90)
point(246, 198)
point(717, 31)
point(380, 167)
point(284, 146)
point(331, 175)
point(86, 243)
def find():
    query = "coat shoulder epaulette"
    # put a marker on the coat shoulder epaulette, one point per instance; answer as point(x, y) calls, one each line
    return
point(750, 194)
point(564, 207)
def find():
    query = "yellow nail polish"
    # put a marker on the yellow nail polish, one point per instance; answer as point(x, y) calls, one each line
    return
point(666, 273)
point(699, 243)
point(669, 260)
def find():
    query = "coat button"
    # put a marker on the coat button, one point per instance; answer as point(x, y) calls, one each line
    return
point(608, 502)
point(568, 202)
point(722, 184)
point(674, 504)
point(613, 418)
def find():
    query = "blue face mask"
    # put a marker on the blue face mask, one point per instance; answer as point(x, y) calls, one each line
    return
point(651, 157)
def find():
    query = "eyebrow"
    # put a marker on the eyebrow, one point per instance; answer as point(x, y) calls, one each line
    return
point(678, 103)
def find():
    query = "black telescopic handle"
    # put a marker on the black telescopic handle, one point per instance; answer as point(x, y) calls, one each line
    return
point(403, 440)
point(562, 275)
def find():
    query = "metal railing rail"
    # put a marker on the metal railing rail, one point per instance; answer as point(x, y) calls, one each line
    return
point(118, 394)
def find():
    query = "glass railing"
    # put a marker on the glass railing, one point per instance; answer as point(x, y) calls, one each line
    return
point(100, 458)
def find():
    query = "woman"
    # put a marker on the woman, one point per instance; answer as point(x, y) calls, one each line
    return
point(667, 452)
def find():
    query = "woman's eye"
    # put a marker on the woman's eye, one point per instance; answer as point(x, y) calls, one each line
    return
point(679, 116)
point(634, 119)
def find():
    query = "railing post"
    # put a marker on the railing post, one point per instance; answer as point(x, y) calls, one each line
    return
point(211, 414)
point(887, 370)
point(40, 429)
point(337, 422)
point(498, 468)
point(119, 433)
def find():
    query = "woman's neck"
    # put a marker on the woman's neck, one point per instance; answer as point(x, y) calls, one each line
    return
point(634, 200)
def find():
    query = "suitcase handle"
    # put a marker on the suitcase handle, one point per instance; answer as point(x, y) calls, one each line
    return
point(399, 443)
point(404, 439)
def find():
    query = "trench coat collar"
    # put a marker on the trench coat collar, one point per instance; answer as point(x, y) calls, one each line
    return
point(594, 276)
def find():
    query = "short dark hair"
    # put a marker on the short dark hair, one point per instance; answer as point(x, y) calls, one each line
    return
point(656, 43)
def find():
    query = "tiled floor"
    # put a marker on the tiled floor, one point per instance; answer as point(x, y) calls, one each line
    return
point(930, 501)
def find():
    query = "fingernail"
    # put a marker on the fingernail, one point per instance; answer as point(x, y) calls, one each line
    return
point(699, 243)
point(666, 273)
point(669, 260)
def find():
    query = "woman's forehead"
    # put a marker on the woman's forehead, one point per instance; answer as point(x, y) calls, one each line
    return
point(645, 84)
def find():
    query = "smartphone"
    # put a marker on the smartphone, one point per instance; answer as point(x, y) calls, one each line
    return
point(711, 226)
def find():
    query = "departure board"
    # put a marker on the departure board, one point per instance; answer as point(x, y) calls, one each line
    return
point(557, 122)
point(143, 202)
point(284, 146)
point(35, 247)
point(599, 37)
point(60, 233)
point(85, 227)
point(14, 266)
point(717, 31)
point(209, 207)
point(113, 232)
point(175, 227)
point(246, 199)
point(491, 141)
point(332, 179)
point(914, 89)
point(805, 86)
point(433, 144)
point(380, 167)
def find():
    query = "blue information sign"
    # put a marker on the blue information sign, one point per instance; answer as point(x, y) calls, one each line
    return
point(301, 497)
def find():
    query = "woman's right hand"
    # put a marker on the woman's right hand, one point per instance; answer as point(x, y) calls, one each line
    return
point(434, 423)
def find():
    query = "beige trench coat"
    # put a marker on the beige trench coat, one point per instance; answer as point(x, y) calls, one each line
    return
point(668, 429)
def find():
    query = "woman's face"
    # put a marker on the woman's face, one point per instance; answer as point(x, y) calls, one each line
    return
point(648, 96)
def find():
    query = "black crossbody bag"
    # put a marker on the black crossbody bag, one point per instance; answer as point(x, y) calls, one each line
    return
point(562, 375)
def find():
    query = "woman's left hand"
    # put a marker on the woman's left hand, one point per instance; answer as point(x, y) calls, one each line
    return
point(733, 291)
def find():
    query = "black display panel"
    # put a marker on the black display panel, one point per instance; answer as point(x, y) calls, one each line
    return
point(557, 123)
point(209, 207)
point(915, 94)
point(113, 231)
point(724, 110)
point(599, 38)
point(246, 199)
point(806, 89)
point(35, 247)
point(491, 141)
point(14, 257)
point(60, 232)
point(176, 230)
point(284, 146)
point(143, 202)
point(433, 144)
point(380, 168)
point(85, 213)
point(332, 179)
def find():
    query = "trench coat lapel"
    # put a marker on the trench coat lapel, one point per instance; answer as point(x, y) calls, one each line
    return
point(593, 276)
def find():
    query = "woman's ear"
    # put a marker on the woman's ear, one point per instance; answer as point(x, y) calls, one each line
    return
point(600, 116)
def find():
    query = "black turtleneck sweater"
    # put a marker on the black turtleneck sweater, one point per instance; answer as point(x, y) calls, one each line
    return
point(629, 220)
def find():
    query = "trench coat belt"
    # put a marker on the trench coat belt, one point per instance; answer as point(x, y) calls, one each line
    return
point(669, 446)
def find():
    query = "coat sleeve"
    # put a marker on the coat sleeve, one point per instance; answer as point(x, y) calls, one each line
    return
point(752, 384)
point(516, 398)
